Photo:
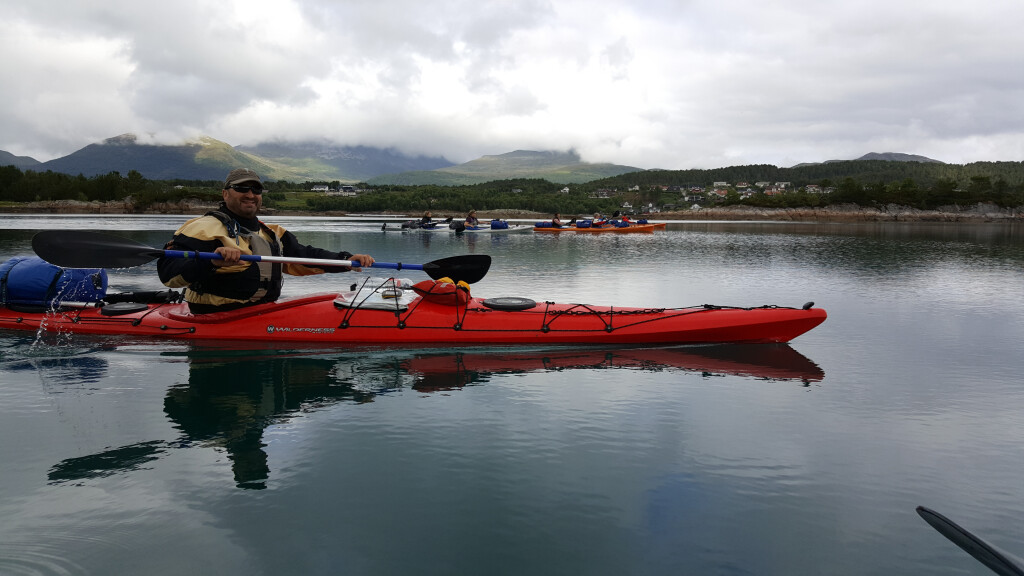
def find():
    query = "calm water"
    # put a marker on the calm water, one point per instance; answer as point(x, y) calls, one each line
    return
point(122, 457)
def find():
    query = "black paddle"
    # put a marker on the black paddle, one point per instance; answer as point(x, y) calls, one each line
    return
point(999, 562)
point(83, 249)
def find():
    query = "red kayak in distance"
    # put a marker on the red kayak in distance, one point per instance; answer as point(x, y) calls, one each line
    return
point(608, 228)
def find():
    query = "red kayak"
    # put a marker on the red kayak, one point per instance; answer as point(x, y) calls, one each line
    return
point(423, 318)
point(631, 229)
point(382, 311)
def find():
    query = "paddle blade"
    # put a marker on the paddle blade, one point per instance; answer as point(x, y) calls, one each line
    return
point(999, 562)
point(83, 249)
point(469, 269)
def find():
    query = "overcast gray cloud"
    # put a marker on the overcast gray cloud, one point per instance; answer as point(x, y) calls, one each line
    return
point(662, 83)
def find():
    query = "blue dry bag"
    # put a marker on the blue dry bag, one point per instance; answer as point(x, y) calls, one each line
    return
point(31, 281)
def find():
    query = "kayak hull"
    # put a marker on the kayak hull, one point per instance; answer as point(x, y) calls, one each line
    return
point(316, 319)
point(632, 229)
point(438, 228)
point(512, 229)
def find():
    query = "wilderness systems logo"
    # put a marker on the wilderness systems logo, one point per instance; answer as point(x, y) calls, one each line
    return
point(272, 329)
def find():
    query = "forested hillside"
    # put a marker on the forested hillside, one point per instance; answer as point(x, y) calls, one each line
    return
point(864, 171)
point(865, 183)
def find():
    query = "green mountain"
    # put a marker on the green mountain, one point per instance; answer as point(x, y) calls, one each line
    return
point(924, 174)
point(897, 157)
point(210, 159)
point(19, 162)
point(558, 167)
point(887, 156)
point(344, 163)
point(203, 159)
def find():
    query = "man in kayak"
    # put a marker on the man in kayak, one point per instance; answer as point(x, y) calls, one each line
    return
point(232, 230)
point(556, 221)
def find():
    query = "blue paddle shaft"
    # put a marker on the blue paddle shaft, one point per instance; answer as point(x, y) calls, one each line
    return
point(287, 260)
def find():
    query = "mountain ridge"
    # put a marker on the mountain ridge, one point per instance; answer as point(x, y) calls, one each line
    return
point(20, 162)
point(206, 158)
point(888, 156)
point(558, 167)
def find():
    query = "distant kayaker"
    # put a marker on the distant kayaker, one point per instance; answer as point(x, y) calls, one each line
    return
point(599, 220)
point(556, 221)
point(471, 219)
point(427, 221)
point(232, 230)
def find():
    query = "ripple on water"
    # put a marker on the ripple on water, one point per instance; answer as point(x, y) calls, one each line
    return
point(48, 555)
point(57, 365)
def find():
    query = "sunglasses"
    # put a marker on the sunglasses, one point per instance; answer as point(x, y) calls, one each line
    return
point(257, 190)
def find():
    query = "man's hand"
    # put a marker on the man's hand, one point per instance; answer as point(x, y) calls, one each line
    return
point(363, 259)
point(229, 256)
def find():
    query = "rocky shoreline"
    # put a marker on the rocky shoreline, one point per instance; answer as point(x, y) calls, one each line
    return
point(841, 213)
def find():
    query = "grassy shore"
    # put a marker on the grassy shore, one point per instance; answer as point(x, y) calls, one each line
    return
point(843, 213)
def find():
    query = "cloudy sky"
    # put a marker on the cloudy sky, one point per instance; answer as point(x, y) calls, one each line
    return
point(670, 84)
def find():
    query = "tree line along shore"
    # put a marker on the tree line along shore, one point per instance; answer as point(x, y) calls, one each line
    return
point(981, 212)
point(832, 192)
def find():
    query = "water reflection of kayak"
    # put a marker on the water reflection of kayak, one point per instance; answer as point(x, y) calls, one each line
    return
point(230, 398)
point(234, 391)
point(766, 361)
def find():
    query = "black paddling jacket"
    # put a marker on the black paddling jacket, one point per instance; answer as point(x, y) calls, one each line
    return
point(208, 288)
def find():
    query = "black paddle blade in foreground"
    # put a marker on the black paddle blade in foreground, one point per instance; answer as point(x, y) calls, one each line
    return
point(84, 249)
point(999, 562)
point(469, 268)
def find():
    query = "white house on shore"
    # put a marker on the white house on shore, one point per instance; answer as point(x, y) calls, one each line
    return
point(344, 191)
